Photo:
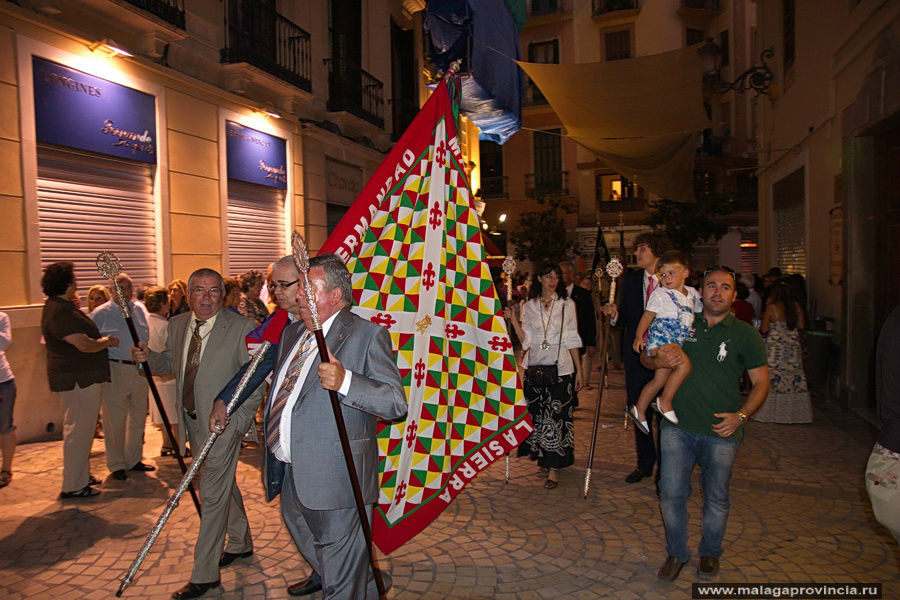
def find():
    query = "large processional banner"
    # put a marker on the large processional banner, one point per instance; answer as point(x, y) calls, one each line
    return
point(412, 243)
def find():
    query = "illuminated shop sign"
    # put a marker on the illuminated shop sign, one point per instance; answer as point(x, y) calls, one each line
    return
point(255, 157)
point(74, 109)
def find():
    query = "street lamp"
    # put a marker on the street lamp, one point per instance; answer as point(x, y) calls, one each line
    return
point(757, 78)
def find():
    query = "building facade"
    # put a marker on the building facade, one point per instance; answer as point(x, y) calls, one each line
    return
point(828, 189)
point(182, 135)
point(540, 160)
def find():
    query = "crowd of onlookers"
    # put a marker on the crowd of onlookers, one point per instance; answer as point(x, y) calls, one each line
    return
point(89, 366)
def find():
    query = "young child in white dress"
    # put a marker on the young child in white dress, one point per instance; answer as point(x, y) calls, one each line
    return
point(668, 317)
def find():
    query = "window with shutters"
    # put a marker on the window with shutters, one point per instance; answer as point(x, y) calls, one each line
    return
point(750, 252)
point(548, 174)
point(693, 36)
point(545, 53)
point(256, 231)
point(790, 222)
point(90, 203)
point(617, 44)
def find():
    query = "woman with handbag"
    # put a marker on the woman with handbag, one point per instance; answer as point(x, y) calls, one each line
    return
point(549, 334)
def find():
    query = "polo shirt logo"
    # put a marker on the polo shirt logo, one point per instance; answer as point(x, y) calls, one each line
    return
point(723, 352)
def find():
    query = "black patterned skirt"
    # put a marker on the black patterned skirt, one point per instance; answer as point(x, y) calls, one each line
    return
point(552, 443)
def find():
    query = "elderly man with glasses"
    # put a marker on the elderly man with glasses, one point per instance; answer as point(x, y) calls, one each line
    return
point(711, 415)
point(203, 350)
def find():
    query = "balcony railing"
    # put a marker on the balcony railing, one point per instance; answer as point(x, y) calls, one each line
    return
point(170, 11)
point(711, 5)
point(624, 205)
point(545, 7)
point(533, 95)
point(494, 187)
point(258, 35)
point(353, 90)
point(551, 183)
point(601, 7)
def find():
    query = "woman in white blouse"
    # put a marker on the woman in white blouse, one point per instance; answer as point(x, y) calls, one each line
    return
point(549, 334)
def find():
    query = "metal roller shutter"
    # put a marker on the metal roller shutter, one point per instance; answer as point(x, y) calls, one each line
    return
point(89, 203)
point(255, 226)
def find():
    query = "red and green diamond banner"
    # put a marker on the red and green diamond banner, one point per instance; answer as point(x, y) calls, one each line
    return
point(412, 243)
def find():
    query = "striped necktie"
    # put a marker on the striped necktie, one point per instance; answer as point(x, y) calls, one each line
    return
point(190, 370)
point(273, 422)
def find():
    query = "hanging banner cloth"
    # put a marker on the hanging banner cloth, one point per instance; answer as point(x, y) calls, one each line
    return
point(639, 115)
point(412, 243)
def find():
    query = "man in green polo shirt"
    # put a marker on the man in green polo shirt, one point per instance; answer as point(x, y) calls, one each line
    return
point(710, 418)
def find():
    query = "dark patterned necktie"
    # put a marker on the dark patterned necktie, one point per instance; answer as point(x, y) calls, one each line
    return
point(273, 422)
point(190, 369)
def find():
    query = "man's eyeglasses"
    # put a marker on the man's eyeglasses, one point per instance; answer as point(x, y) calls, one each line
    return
point(283, 285)
point(213, 291)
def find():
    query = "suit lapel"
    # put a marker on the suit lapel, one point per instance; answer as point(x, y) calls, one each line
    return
point(217, 339)
point(334, 340)
point(178, 349)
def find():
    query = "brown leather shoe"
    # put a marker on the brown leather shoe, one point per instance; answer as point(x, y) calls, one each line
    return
point(194, 590)
point(708, 567)
point(310, 585)
point(670, 569)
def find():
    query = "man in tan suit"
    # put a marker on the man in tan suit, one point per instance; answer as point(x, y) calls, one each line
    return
point(204, 349)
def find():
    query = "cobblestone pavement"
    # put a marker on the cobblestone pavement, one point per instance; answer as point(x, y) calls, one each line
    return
point(799, 513)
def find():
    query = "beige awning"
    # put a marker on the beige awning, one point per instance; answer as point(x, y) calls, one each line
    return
point(640, 115)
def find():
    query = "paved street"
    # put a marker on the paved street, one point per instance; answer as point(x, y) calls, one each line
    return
point(799, 513)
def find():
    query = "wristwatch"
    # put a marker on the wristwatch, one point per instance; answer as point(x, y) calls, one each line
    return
point(742, 416)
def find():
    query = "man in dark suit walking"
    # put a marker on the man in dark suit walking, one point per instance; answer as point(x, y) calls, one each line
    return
point(304, 461)
point(637, 285)
point(584, 311)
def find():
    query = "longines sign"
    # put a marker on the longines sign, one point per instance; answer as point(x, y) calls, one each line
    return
point(256, 157)
point(74, 109)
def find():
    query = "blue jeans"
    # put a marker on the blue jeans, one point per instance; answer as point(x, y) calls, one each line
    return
point(680, 451)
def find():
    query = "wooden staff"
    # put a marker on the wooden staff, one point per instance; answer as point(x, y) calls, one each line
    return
point(301, 259)
point(613, 269)
point(189, 476)
point(509, 266)
point(108, 266)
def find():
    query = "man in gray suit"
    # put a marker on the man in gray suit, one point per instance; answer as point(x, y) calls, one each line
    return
point(204, 349)
point(304, 461)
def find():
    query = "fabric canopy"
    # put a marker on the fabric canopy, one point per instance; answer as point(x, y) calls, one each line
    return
point(639, 115)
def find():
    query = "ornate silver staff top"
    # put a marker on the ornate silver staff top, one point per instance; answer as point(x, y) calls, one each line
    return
point(509, 267)
point(109, 266)
point(301, 260)
point(614, 268)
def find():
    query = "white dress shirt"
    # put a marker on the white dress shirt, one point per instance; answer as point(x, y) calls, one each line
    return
point(283, 452)
point(205, 330)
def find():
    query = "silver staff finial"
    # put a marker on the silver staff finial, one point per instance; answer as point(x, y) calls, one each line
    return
point(301, 260)
point(109, 266)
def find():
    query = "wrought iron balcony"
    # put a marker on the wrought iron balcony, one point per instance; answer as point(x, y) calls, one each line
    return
point(550, 183)
point(545, 7)
point(710, 5)
point(624, 205)
point(170, 11)
point(258, 35)
point(353, 90)
point(494, 187)
point(533, 95)
point(601, 7)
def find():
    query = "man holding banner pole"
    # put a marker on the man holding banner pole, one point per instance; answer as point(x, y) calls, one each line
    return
point(303, 460)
